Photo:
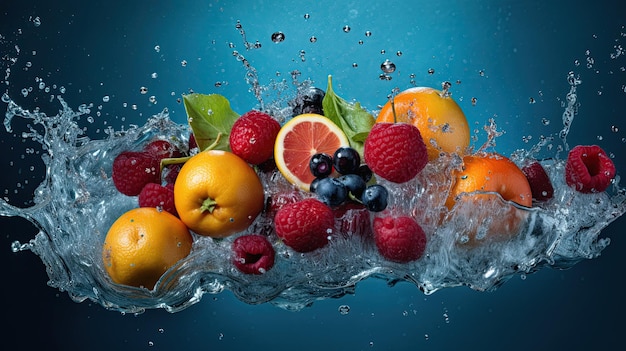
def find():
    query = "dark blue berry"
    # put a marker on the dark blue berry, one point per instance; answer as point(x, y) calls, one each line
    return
point(321, 165)
point(375, 198)
point(313, 185)
point(365, 172)
point(355, 184)
point(346, 160)
point(331, 191)
point(309, 100)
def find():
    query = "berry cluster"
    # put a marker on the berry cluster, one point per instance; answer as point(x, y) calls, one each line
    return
point(351, 184)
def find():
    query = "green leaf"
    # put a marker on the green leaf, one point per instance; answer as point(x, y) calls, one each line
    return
point(210, 118)
point(355, 121)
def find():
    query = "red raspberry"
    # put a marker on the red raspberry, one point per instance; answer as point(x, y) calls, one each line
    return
point(305, 225)
point(399, 239)
point(133, 170)
point(192, 142)
point(253, 254)
point(588, 169)
point(395, 151)
point(540, 185)
point(162, 149)
point(159, 196)
point(252, 136)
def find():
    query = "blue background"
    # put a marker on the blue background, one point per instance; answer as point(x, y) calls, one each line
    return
point(524, 49)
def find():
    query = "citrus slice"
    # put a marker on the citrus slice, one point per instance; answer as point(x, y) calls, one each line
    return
point(300, 138)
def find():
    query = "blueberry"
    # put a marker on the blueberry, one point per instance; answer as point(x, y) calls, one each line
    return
point(355, 184)
point(375, 198)
point(313, 185)
point(308, 100)
point(346, 160)
point(321, 165)
point(365, 172)
point(331, 191)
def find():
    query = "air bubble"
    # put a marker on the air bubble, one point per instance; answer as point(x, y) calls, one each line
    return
point(278, 37)
point(388, 66)
point(344, 309)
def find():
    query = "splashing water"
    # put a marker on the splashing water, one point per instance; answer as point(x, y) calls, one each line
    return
point(77, 202)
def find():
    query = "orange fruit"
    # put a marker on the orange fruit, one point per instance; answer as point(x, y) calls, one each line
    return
point(490, 173)
point(142, 244)
point(217, 194)
point(300, 138)
point(439, 119)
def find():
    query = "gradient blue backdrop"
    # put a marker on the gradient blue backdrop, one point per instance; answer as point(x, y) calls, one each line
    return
point(524, 50)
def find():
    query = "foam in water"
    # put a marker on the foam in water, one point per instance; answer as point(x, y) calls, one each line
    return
point(77, 202)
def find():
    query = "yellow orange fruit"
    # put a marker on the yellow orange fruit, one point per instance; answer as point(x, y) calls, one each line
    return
point(496, 174)
point(300, 138)
point(142, 244)
point(438, 117)
point(217, 194)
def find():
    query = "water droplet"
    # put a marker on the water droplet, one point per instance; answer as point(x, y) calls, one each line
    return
point(152, 99)
point(545, 121)
point(346, 28)
point(614, 129)
point(355, 65)
point(344, 309)
point(312, 39)
point(37, 21)
point(161, 330)
point(531, 100)
point(368, 33)
point(278, 37)
point(157, 48)
point(6, 98)
point(383, 51)
point(25, 92)
point(307, 16)
point(481, 73)
point(183, 63)
point(398, 53)
point(154, 75)
point(474, 101)
point(143, 90)
point(431, 71)
point(106, 98)
point(388, 66)
point(360, 42)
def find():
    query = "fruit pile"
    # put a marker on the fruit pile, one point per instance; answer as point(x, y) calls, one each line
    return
point(340, 161)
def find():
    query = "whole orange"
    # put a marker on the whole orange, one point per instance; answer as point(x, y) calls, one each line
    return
point(217, 194)
point(492, 173)
point(142, 244)
point(438, 117)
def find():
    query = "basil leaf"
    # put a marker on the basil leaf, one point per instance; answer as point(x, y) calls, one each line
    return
point(355, 121)
point(210, 118)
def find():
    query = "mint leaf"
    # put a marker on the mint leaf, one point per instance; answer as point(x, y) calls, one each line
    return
point(210, 118)
point(355, 121)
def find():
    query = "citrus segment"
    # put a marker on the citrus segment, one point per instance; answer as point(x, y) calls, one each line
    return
point(302, 137)
point(142, 244)
point(218, 194)
point(438, 117)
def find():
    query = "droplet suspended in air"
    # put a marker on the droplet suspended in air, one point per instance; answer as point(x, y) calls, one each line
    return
point(344, 309)
point(431, 71)
point(398, 53)
point(388, 66)
point(278, 37)
point(143, 90)
point(312, 39)
point(368, 33)
point(346, 28)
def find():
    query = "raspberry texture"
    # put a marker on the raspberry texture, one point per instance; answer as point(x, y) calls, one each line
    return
point(540, 185)
point(588, 169)
point(253, 254)
point(252, 136)
point(158, 196)
point(395, 151)
point(399, 239)
point(305, 225)
point(162, 149)
point(133, 170)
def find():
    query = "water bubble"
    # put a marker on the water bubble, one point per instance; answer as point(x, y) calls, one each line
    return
point(360, 42)
point(431, 71)
point(474, 101)
point(302, 57)
point(398, 53)
point(346, 28)
point(6, 98)
point(384, 76)
point(368, 33)
point(383, 51)
point(154, 75)
point(183, 63)
point(481, 73)
point(614, 129)
point(105, 98)
point(388, 66)
point(152, 99)
point(531, 100)
point(344, 309)
point(37, 21)
point(143, 90)
point(355, 65)
point(157, 48)
point(545, 121)
point(278, 37)
point(312, 39)
point(307, 16)
point(161, 330)
point(25, 92)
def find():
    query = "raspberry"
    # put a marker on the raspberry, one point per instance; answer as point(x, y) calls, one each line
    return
point(162, 149)
point(588, 169)
point(133, 170)
point(192, 143)
point(252, 136)
point(159, 196)
point(305, 225)
point(395, 151)
point(399, 239)
point(253, 254)
point(540, 185)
